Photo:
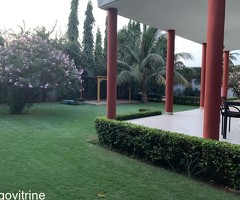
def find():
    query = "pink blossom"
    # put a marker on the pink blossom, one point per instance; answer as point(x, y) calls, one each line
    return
point(46, 85)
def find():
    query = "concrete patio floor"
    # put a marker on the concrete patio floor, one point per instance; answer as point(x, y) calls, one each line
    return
point(189, 123)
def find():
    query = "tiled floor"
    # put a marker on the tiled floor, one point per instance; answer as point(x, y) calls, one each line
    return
point(188, 122)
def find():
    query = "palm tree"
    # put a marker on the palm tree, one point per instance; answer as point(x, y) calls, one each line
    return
point(148, 61)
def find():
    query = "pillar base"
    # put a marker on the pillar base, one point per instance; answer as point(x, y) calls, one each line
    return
point(168, 113)
point(201, 108)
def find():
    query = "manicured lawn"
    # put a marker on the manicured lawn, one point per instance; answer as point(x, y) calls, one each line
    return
point(47, 150)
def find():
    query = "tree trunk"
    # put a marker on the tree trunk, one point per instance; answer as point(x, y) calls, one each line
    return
point(144, 93)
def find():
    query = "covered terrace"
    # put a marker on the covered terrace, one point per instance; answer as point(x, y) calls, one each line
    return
point(213, 23)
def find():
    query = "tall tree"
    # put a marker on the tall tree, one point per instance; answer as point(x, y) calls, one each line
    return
point(100, 65)
point(105, 39)
point(87, 54)
point(72, 32)
point(73, 47)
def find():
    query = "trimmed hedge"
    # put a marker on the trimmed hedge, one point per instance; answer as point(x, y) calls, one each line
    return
point(186, 100)
point(151, 97)
point(233, 98)
point(197, 157)
point(140, 114)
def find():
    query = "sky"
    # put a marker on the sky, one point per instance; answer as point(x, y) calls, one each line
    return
point(47, 12)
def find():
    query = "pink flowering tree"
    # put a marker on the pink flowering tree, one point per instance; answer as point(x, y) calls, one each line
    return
point(31, 65)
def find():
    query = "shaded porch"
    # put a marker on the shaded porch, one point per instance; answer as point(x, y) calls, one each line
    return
point(212, 23)
point(189, 123)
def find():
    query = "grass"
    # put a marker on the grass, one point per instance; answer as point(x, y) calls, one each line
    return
point(47, 151)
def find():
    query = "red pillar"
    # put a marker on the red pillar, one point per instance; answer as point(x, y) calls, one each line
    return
point(203, 74)
point(112, 63)
point(170, 72)
point(215, 37)
point(225, 74)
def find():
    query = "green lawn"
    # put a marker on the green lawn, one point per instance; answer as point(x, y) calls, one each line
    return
point(47, 150)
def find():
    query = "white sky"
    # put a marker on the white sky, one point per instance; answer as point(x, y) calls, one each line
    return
point(47, 12)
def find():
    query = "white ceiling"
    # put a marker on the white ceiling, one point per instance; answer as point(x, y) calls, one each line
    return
point(187, 17)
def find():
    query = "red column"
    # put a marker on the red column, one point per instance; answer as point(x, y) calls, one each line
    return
point(203, 74)
point(215, 37)
point(170, 72)
point(225, 74)
point(112, 63)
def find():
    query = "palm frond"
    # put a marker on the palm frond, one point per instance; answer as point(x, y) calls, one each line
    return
point(179, 78)
point(152, 59)
point(184, 56)
point(137, 74)
point(124, 77)
point(134, 54)
point(123, 65)
point(233, 57)
point(159, 37)
point(159, 77)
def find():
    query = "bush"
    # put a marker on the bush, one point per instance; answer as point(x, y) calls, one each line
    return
point(139, 114)
point(151, 97)
point(31, 66)
point(186, 100)
point(207, 159)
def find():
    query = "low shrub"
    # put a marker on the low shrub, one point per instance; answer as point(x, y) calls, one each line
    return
point(233, 98)
point(186, 100)
point(151, 97)
point(140, 114)
point(143, 109)
point(208, 159)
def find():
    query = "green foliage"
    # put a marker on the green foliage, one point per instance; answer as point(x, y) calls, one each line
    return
point(72, 32)
point(100, 64)
point(87, 54)
point(190, 73)
point(151, 97)
point(140, 114)
point(189, 91)
point(143, 58)
point(207, 159)
point(144, 62)
point(105, 39)
point(186, 100)
point(234, 80)
point(129, 35)
point(72, 46)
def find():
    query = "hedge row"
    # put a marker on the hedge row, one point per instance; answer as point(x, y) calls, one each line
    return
point(207, 159)
point(140, 114)
point(186, 100)
point(151, 97)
